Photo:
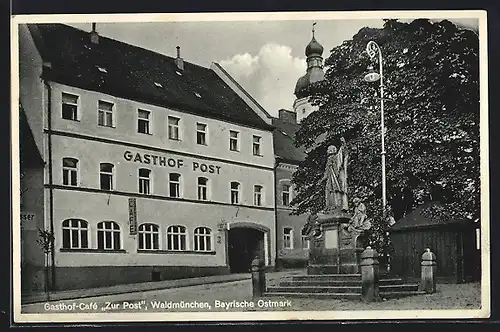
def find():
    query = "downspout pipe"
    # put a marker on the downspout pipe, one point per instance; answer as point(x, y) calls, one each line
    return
point(51, 190)
point(276, 247)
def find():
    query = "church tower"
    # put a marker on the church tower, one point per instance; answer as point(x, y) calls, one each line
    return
point(314, 51)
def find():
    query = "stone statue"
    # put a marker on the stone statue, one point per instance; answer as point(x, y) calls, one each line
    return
point(312, 226)
point(359, 221)
point(336, 178)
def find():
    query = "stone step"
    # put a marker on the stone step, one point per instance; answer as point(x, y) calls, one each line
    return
point(315, 289)
point(327, 277)
point(340, 296)
point(330, 269)
point(341, 289)
point(335, 282)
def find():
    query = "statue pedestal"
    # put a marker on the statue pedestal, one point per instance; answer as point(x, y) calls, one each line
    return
point(336, 250)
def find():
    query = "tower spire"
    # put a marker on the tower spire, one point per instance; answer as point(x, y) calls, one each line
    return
point(313, 28)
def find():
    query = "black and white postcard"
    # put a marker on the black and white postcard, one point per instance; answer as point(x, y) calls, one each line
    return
point(250, 166)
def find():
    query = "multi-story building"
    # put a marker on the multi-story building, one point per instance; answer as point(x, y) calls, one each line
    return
point(154, 167)
point(293, 245)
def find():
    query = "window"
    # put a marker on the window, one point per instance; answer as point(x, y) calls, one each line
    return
point(175, 184)
point(69, 107)
point(70, 172)
point(202, 239)
point(288, 238)
point(235, 192)
point(144, 181)
point(108, 235)
point(173, 128)
point(203, 189)
point(256, 145)
point(105, 114)
point(257, 195)
point(75, 234)
point(233, 140)
point(149, 237)
point(285, 194)
point(106, 174)
point(176, 238)
point(143, 118)
point(304, 239)
point(201, 134)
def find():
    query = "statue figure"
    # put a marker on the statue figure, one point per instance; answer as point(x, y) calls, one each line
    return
point(312, 227)
point(336, 178)
point(359, 221)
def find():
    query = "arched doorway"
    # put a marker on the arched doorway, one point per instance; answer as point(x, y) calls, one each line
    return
point(244, 244)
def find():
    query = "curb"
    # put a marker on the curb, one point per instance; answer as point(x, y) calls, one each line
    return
point(61, 297)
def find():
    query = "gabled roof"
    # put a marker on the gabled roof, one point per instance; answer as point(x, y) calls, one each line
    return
point(284, 137)
point(421, 218)
point(131, 72)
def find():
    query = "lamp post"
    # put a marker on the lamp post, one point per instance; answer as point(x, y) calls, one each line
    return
point(372, 49)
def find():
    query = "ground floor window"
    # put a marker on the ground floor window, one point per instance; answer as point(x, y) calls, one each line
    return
point(149, 236)
point(75, 234)
point(288, 238)
point(108, 235)
point(176, 238)
point(305, 239)
point(202, 239)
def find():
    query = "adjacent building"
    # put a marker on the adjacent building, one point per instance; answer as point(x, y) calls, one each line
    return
point(150, 167)
point(293, 245)
point(31, 206)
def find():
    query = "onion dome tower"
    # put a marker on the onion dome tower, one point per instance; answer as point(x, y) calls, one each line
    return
point(314, 73)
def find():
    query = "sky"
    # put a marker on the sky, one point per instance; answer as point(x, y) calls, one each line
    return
point(266, 57)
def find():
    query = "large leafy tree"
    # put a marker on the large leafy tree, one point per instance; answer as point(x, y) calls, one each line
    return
point(431, 80)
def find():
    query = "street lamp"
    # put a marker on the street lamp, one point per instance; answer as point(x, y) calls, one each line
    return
point(372, 49)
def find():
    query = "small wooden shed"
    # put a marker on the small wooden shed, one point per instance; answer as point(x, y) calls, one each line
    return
point(456, 244)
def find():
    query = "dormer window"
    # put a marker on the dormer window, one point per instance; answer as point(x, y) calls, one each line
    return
point(158, 85)
point(178, 73)
point(197, 94)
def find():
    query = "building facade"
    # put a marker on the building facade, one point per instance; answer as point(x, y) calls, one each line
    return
point(292, 243)
point(155, 168)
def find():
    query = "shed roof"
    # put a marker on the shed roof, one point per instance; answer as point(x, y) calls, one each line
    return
point(423, 217)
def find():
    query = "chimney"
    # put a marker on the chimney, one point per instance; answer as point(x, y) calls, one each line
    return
point(94, 36)
point(179, 62)
point(287, 116)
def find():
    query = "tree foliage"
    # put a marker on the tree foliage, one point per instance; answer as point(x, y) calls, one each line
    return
point(431, 97)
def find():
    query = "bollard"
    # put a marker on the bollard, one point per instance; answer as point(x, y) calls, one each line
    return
point(428, 275)
point(258, 277)
point(369, 275)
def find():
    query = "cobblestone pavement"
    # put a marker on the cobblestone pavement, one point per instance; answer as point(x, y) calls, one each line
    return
point(236, 296)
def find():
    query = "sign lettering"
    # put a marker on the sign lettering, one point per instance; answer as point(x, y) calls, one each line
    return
point(132, 215)
point(28, 221)
point(151, 159)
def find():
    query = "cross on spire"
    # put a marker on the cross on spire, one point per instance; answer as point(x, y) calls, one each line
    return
point(313, 28)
